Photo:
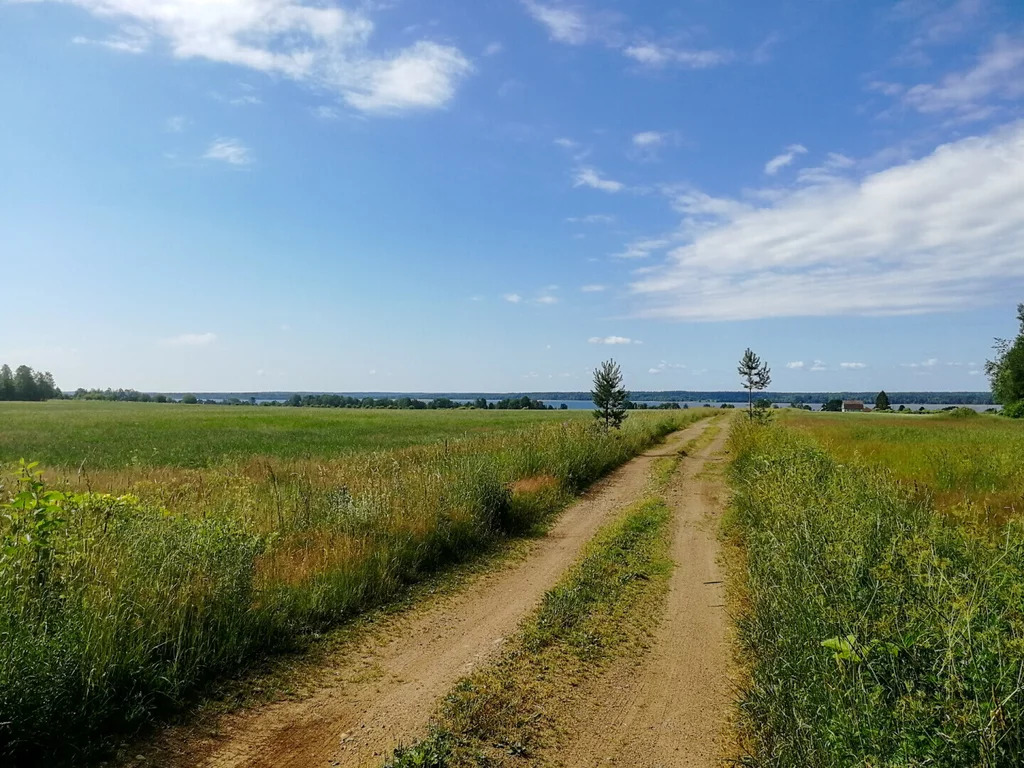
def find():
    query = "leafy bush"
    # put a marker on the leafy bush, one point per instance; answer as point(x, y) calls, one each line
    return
point(1014, 410)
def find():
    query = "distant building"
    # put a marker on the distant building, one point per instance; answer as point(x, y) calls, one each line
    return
point(853, 405)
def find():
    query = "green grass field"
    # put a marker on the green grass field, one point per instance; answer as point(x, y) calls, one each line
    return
point(125, 588)
point(883, 615)
point(116, 435)
point(971, 463)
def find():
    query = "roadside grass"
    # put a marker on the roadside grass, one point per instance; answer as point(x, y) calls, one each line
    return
point(973, 464)
point(116, 608)
point(876, 632)
point(603, 607)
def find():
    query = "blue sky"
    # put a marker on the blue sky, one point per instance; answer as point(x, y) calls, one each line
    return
point(497, 195)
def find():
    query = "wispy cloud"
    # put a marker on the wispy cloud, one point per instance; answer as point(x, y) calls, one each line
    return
point(230, 151)
point(853, 366)
point(512, 298)
point(647, 139)
point(131, 38)
point(612, 340)
point(940, 233)
point(190, 340)
point(665, 366)
point(655, 55)
point(795, 365)
point(589, 177)
point(593, 288)
point(593, 218)
point(998, 75)
point(931, 362)
point(564, 23)
point(779, 162)
point(176, 124)
point(818, 365)
point(324, 46)
point(547, 299)
point(641, 249)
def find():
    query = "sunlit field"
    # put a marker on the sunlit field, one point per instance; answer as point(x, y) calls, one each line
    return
point(884, 585)
point(971, 462)
point(116, 435)
point(207, 536)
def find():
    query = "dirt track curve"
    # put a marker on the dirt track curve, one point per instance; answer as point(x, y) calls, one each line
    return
point(383, 692)
point(672, 707)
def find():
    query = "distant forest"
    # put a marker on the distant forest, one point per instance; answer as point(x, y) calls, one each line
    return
point(711, 396)
point(26, 385)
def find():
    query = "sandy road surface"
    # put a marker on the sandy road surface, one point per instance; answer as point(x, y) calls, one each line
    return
point(673, 706)
point(383, 692)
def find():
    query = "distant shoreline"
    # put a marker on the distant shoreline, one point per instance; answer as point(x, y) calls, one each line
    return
point(710, 396)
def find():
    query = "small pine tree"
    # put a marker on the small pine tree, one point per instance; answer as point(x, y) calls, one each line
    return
point(609, 395)
point(882, 401)
point(755, 376)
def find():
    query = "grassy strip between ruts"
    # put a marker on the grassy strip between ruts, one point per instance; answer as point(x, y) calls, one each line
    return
point(603, 607)
point(876, 631)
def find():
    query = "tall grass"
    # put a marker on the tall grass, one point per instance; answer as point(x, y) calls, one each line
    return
point(114, 607)
point(880, 633)
point(970, 461)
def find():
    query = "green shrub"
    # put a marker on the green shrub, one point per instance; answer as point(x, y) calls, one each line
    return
point(1014, 410)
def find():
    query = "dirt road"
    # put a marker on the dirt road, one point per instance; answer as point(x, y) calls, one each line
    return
point(672, 706)
point(384, 692)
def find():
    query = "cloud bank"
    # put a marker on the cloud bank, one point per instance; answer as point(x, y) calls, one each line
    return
point(306, 41)
point(936, 234)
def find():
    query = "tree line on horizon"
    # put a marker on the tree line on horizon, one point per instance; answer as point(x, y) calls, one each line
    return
point(26, 385)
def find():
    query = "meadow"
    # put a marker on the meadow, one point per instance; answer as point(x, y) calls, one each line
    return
point(882, 615)
point(203, 540)
point(107, 435)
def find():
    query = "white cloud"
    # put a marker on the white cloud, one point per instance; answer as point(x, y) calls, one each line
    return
point(664, 366)
point(654, 55)
point(547, 299)
point(512, 298)
point(191, 340)
point(940, 233)
point(612, 340)
point(819, 366)
point(565, 143)
point(648, 139)
point(326, 112)
point(321, 45)
point(853, 366)
point(796, 364)
point(593, 288)
point(589, 177)
point(998, 74)
point(779, 162)
point(829, 171)
point(493, 49)
point(130, 39)
point(230, 151)
point(931, 362)
point(641, 249)
point(563, 23)
point(594, 218)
